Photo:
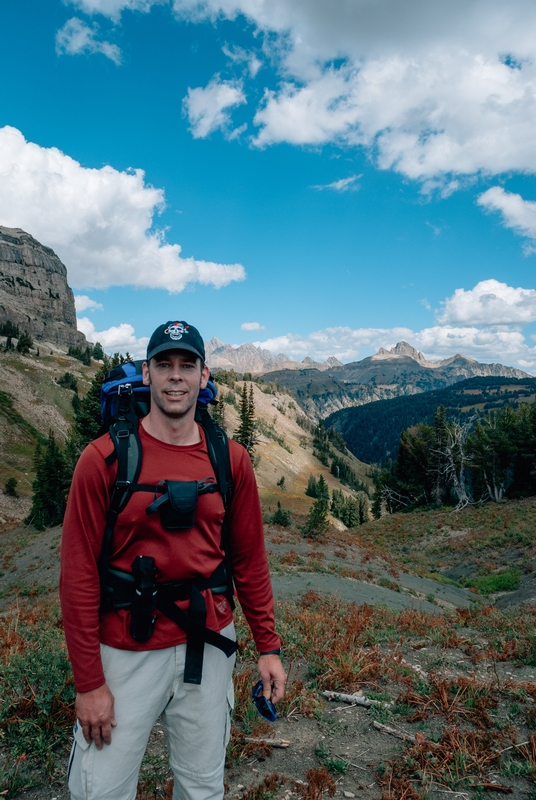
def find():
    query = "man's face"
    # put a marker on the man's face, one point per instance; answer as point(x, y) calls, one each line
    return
point(175, 378)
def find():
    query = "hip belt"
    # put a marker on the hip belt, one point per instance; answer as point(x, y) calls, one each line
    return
point(140, 592)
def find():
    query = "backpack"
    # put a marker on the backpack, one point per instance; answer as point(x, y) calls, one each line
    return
point(124, 401)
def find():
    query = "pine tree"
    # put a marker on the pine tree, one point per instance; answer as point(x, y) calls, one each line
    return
point(312, 487)
point(217, 413)
point(50, 486)
point(98, 352)
point(245, 435)
point(439, 459)
point(317, 524)
point(322, 488)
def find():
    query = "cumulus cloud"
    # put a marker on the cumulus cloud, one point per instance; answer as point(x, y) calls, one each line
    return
point(82, 302)
point(342, 185)
point(252, 326)
point(207, 108)
point(430, 89)
point(119, 338)
point(490, 303)
point(99, 221)
point(517, 213)
point(345, 343)
point(77, 38)
point(499, 344)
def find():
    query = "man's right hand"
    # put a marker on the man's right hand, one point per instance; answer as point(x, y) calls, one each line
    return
point(95, 713)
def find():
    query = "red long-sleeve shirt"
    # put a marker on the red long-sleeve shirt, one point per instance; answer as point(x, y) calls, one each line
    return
point(178, 555)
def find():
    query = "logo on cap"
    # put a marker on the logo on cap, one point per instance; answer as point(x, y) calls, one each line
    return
point(176, 330)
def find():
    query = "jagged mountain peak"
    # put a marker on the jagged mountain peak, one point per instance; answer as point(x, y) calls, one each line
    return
point(401, 349)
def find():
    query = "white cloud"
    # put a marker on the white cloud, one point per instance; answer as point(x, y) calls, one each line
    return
point(252, 326)
point(518, 214)
point(77, 38)
point(206, 107)
point(240, 56)
point(113, 8)
point(490, 303)
point(343, 342)
point(82, 302)
point(119, 338)
point(99, 221)
point(429, 88)
point(342, 185)
point(499, 344)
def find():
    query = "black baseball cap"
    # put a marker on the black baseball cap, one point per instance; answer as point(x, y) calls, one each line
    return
point(176, 336)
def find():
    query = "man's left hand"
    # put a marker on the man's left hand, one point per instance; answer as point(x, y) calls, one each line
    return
point(273, 677)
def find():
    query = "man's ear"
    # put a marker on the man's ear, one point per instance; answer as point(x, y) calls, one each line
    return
point(145, 373)
point(205, 375)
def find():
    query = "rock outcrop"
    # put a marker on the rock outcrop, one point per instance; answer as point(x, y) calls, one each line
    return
point(34, 293)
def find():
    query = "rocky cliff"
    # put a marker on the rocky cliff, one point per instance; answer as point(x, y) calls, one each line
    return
point(34, 293)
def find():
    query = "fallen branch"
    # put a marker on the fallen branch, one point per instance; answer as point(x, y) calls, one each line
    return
point(354, 699)
point(270, 742)
point(407, 737)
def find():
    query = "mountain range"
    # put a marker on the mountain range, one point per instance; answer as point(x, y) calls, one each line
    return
point(322, 389)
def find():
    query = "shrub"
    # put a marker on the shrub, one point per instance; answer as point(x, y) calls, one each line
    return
point(281, 517)
point(68, 381)
point(37, 689)
point(24, 344)
point(10, 487)
point(507, 580)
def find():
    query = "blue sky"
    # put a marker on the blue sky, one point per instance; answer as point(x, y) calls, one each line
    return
point(334, 177)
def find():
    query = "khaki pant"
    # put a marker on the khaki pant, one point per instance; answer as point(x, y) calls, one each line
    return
point(146, 685)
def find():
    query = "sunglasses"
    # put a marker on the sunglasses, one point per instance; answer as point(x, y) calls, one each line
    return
point(263, 704)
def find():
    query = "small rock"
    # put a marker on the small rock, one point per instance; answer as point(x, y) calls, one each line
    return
point(348, 794)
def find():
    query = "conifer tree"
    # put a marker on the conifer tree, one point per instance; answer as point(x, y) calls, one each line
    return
point(217, 413)
point(50, 486)
point(98, 352)
point(322, 488)
point(317, 523)
point(312, 487)
point(245, 435)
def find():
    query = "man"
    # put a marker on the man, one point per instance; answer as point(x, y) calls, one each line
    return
point(124, 684)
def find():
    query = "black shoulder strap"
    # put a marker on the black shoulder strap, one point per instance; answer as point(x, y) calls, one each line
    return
point(128, 450)
point(218, 451)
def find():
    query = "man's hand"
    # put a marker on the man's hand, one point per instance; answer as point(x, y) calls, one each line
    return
point(95, 713)
point(273, 677)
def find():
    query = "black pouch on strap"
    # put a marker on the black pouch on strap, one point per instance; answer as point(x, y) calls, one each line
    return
point(178, 514)
point(178, 503)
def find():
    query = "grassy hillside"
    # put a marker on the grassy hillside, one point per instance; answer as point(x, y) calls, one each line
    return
point(31, 403)
point(284, 449)
point(446, 689)
point(372, 431)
